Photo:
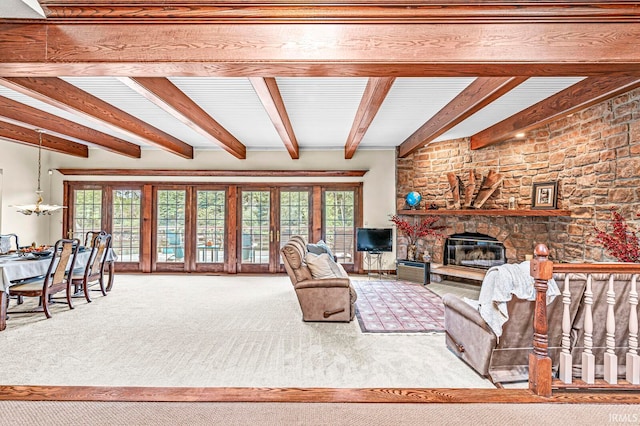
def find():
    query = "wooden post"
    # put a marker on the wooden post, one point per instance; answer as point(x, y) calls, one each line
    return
point(539, 361)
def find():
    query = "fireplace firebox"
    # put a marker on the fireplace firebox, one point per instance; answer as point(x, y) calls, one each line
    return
point(473, 250)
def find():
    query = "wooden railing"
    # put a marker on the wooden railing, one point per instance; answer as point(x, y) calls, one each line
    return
point(540, 364)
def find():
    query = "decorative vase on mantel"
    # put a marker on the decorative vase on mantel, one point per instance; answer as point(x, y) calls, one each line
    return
point(411, 252)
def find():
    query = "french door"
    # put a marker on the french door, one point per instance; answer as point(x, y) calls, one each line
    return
point(200, 227)
point(268, 217)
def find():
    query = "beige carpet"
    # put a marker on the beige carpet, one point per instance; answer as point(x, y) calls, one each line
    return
point(238, 331)
point(151, 413)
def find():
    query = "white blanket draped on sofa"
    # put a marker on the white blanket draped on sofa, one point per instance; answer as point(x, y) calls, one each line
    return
point(499, 285)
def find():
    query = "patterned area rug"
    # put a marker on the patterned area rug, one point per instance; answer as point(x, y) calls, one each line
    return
point(397, 307)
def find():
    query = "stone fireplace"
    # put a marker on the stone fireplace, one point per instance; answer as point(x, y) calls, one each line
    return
point(514, 237)
point(473, 250)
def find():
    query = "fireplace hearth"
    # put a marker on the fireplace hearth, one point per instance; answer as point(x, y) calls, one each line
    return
point(473, 250)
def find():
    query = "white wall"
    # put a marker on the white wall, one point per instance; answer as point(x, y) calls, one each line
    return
point(19, 164)
point(379, 186)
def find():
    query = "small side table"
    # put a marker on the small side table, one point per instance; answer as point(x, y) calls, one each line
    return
point(410, 270)
point(373, 257)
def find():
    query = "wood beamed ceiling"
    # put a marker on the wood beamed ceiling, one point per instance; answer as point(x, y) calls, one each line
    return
point(500, 45)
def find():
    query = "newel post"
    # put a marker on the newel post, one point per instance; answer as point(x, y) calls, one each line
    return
point(539, 361)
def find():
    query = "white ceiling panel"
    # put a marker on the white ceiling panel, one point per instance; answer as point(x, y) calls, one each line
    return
point(34, 103)
point(411, 102)
point(234, 104)
point(321, 109)
point(116, 93)
point(528, 93)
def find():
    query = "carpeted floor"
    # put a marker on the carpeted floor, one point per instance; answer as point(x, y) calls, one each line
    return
point(390, 306)
point(212, 331)
point(310, 414)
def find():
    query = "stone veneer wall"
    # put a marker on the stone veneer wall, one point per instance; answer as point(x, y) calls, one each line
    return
point(594, 155)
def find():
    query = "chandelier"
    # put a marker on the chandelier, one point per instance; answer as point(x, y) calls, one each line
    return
point(38, 208)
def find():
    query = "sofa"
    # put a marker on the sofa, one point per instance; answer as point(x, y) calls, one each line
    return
point(323, 289)
point(505, 359)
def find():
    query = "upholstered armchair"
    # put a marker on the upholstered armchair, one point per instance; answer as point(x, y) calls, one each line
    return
point(324, 299)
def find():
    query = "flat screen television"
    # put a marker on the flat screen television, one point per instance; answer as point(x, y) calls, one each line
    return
point(374, 239)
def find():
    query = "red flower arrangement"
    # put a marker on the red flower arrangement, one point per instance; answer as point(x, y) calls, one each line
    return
point(623, 243)
point(419, 230)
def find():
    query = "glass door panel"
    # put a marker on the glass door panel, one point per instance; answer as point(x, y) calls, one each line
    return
point(210, 225)
point(294, 215)
point(87, 212)
point(126, 223)
point(256, 226)
point(339, 223)
point(170, 232)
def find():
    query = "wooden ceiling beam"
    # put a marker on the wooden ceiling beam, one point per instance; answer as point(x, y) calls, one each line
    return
point(267, 90)
point(581, 95)
point(164, 94)
point(63, 95)
point(24, 115)
point(25, 136)
point(357, 49)
point(374, 95)
point(480, 93)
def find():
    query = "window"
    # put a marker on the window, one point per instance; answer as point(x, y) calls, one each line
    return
point(210, 226)
point(339, 223)
point(170, 225)
point(125, 228)
point(87, 212)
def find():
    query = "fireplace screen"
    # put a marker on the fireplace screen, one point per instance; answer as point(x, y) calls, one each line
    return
point(474, 250)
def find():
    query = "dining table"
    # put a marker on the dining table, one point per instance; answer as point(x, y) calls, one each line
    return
point(15, 267)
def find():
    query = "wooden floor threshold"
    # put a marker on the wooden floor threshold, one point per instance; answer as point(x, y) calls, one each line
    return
point(320, 395)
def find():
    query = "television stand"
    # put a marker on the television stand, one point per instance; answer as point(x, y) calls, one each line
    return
point(373, 258)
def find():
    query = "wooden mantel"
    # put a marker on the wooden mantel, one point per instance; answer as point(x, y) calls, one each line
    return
point(486, 212)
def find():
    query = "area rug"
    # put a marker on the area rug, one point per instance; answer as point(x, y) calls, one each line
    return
point(390, 306)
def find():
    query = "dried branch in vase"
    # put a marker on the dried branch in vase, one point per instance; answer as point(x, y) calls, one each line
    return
point(415, 231)
point(624, 243)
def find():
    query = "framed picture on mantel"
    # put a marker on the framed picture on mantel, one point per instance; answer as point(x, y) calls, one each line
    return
point(545, 195)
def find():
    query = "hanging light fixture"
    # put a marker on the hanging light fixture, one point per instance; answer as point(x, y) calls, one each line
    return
point(38, 208)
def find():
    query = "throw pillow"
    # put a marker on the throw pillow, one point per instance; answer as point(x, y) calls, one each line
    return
point(324, 245)
point(322, 266)
point(316, 249)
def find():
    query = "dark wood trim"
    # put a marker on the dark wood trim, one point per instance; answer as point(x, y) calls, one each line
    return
point(490, 212)
point(480, 93)
point(522, 48)
point(316, 221)
point(326, 395)
point(146, 230)
point(164, 94)
point(267, 90)
point(33, 118)
point(25, 136)
point(60, 94)
point(231, 265)
point(213, 173)
point(579, 96)
point(595, 268)
point(374, 95)
point(337, 11)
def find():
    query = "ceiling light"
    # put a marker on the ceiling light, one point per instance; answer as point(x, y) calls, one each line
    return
point(38, 208)
point(520, 135)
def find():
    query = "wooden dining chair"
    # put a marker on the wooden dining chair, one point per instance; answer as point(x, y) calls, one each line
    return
point(90, 236)
point(56, 279)
point(93, 271)
point(9, 238)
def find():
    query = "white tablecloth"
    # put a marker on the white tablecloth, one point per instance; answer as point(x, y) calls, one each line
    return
point(12, 267)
